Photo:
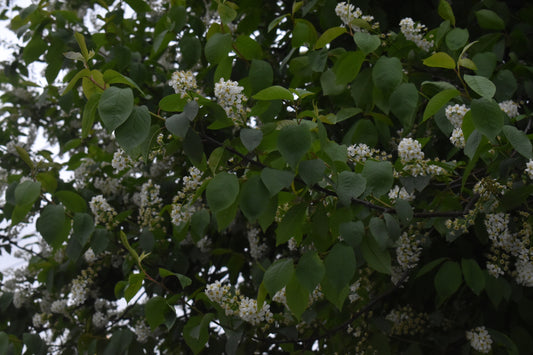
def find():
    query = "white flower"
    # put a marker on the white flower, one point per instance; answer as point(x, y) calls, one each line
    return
point(415, 33)
point(59, 306)
point(229, 95)
point(348, 13)
point(408, 251)
point(510, 108)
point(121, 161)
point(529, 169)
point(457, 138)
point(182, 82)
point(248, 311)
point(400, 193)
point(99, 320)
point(359, 152)
point(455, 114)
point(410, 150)
point(479, 339)
point(524, 270)
point(257, 250)
point(102, 211)
point(216, 292)
point(142, 330)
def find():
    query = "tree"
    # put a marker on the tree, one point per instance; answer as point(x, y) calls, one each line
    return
point(271, 176)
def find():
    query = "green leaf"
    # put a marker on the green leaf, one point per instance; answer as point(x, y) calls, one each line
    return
point(184, 280)
point(89, 114)
point(251, 138)
point(448, 279)
point(518, 140)
point(297, 297)
point(199, 222)
point(217, 47)
point(456, 38)
point(72, 201)
point(53, 225)
point(387, 74)
point(291, 225)
point(440, 60)
point(489, 20)
point(446, 12)
point(367, 42)
point(135, 130)
point(222, 191)
point(248, 48)
point(81, 74)
point(497, 289)
point(275, 92)
point(487, 117)
point(119, 343)
point(312, 171)
point(379, 231)
point(474, 277)
point(27, 192)
point(350, 185)
point(261, 75)
point(347, 67)
point(379, 177)
point(429, 266)
point(173, 103)
point(33, 50)
point(304, 33)
point(135, 282)
point(293, 142)
point(191, 51)
point(139, 6)
point(34, 344)
point(352, 232)
point(438, 101)
point(467, 63)
point(274, 23)
point(115, 106)
point(113, 77)
point(193, 147)
point(340, 266)
point(254, 198)
point(178, 124)
point(276, 180)
point(227, 14)
point(481, 85)
point(196, 332)
point(328, 82)
point(4, 342)
point(376, 257)
point(329, 35)
point(82, 228)
point(310, 270)
point(156, 311)
point(278, 275)
point(403, 103)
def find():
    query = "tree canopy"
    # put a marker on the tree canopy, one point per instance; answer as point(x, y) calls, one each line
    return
point(268, 176)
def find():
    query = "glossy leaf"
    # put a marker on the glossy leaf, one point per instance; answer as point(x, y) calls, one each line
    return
point(440, 60)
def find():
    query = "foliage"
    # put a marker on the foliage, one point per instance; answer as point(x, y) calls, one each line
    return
point(271, 176)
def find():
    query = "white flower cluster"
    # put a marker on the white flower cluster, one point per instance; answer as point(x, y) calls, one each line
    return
point(59, 306)
point(529, 169)
point(229, 95)
point(359, 153)
point(121, 161)
point(99, 319)
point(204, 244)
point(81, 287)
point(108, 186)
point(39, 320)
point(250, 313)
point(182, 212)
point(89, 256)
point(410, 150)
point(415, 33)
point(348, 13)
point(412, 158)
point(510, 108)
point(408, 251)
point(149, 204)
point(524, 271)
point(281, 296)
point(238, 305)
point(142, 330)
point(183, 81)
point(400, 193)
point(257, 249)
point(405, 321)
point(498, 232)
point(103, 212)
point(455, 114)
point(82, 172)
point(479, 339)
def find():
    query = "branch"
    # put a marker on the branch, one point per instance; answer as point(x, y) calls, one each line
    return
point(446, 214)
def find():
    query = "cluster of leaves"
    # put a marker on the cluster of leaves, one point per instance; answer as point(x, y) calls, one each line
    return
point(315, 87)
